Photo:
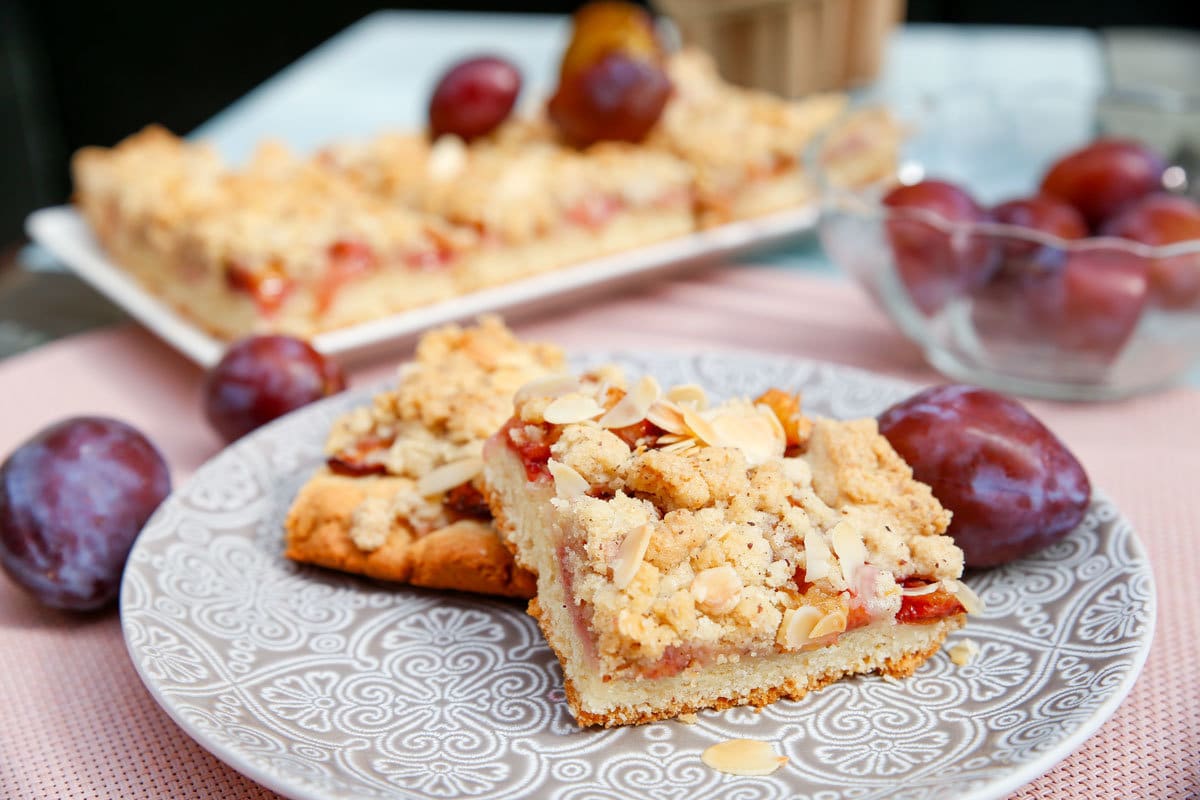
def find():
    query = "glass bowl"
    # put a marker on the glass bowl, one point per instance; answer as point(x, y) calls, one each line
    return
point(999, 305)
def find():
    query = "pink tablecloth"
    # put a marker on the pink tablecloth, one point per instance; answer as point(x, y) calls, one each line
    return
point(76, 722)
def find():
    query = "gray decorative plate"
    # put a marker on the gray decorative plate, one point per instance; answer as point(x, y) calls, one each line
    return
point(319, 685)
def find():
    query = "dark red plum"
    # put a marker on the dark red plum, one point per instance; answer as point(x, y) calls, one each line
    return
point(265, 377)
point(1161, 220)
point(937, 263)
point(72, 500)
point(1012, 486)
point(474, 97)
point(1105, 177)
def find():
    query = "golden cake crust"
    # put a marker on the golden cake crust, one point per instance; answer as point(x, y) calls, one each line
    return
point(464, 555)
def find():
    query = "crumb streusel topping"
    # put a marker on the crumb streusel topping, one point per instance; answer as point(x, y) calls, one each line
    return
point(429, 431)
point(728, 131)
point(735, 530)
point(518, 183)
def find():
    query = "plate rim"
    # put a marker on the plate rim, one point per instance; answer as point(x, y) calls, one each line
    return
point(62, 230)
point(999, 788)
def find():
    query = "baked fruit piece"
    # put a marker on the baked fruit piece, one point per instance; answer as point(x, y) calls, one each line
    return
point(747, 147)
point(399, 496)
point(691, 557)
point(536, 204)
point(282, 245)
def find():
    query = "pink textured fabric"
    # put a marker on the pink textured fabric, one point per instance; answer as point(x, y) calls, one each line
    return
point(77, 723)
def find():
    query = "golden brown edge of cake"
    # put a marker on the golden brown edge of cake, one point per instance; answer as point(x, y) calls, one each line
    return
point(466, 555)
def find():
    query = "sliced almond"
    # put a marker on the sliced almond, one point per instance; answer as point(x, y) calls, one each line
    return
point(819, 560)
point(572, 408)
point(610, 374)
point(917, 591)
point(758, 434)
point(963, 652)
point(671, 438)
point(546, 386)
point(680, 447)
point(743, 757)
point(970, 601)
point(630, 555)
point(568, 482)
point(717, 590)
point(632, 408)
point(447, 476)
point(699, 426)
point(796, 629)
point(668, 417)
point(851, 552)
point(833, 622)
point(688, 394)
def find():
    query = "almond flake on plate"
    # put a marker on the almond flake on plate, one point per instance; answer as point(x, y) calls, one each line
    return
point(963, 652)
point(743, 757)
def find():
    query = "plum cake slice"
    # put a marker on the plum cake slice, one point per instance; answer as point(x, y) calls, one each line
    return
point(398, 498)
point(692, 557)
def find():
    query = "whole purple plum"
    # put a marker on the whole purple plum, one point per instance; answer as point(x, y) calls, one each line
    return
point(72, 500)
point(1012, 486)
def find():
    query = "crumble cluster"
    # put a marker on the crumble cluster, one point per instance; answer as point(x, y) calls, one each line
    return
point(730, 133)
point(456, 393)
point(519, 183)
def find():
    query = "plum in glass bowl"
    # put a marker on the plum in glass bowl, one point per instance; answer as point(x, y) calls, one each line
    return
point(1019, 242)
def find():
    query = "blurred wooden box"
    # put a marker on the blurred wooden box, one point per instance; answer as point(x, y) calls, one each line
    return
point(790, 47)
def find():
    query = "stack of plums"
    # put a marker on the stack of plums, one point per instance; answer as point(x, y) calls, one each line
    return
point(1063, 279)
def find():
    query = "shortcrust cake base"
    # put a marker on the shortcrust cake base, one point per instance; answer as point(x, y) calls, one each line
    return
point(627, 230)
point(202, 294)
point(885, 648)
point(893, 650)
point(467, 556)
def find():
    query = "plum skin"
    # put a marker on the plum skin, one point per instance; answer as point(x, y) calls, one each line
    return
point(72, 501)
point(261, 378)
point(1012, 486)
point(474, 97)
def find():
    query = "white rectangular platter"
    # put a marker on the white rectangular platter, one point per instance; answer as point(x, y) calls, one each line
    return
point(62, 231)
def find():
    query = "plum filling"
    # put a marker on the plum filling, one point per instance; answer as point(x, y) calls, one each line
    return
point(581, 612)
point(355, 461)
point(928, 607)
point(531, 443)
point(467, 502)
point(268, 287)
point(673, 661)
point(348, 260)
point(596, 211)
